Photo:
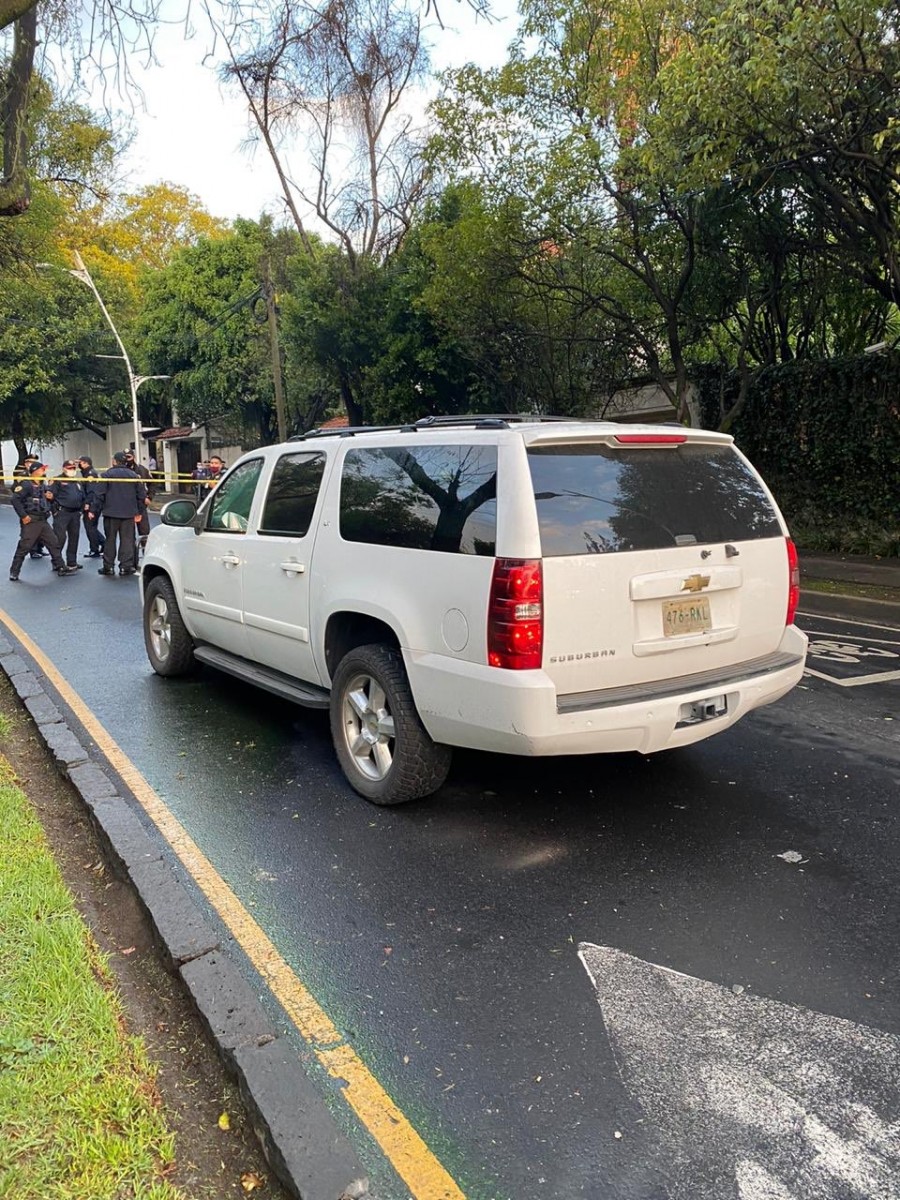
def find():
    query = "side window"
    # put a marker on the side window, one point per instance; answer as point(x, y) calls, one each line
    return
point(422, 498)
point(232, 499)
point(292, 494)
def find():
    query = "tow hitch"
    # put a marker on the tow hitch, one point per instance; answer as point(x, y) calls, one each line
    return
point(702, 710)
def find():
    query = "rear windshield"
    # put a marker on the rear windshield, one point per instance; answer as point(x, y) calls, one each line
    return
point(593, 499)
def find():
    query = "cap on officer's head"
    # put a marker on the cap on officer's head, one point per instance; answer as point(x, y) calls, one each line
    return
point(36, 466)
point(119, 456)
point(29, 458)
point(69, 465)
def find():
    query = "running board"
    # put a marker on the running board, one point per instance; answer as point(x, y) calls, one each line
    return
point(307, 694)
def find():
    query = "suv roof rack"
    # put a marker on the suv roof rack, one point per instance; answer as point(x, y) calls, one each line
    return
point(476, 420)
point(347, 431)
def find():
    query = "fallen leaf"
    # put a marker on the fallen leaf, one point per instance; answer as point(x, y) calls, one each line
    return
point(250, 1181)
point(224, 1121)
point(128, 950)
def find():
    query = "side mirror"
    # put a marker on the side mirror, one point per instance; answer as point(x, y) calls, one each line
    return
point(178, 512)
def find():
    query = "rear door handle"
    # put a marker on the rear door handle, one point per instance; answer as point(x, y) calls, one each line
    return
point(292, 567)
point(230, 560)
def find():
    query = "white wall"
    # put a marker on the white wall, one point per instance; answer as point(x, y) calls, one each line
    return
point(73, 445)
point(649, 402)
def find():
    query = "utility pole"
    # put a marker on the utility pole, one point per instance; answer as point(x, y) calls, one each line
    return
point(268, 292)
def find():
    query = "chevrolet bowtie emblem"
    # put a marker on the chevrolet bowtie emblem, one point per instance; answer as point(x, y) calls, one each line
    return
point(695, 583)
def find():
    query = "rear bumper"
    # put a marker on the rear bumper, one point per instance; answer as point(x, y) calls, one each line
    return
point(519, 712)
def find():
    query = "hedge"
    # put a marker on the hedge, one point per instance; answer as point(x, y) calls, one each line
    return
point(826, 437)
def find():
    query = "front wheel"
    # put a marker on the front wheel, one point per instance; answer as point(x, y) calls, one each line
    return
point(379, 739)
point(169, 645)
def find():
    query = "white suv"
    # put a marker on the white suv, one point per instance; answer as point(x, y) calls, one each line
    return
point(517, 585)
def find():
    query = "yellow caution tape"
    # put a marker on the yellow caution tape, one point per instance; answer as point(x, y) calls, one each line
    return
point(151, 482)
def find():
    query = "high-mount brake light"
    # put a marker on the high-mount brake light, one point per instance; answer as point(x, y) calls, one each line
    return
point(515, 627)
point(793, 581)
point(651, 439)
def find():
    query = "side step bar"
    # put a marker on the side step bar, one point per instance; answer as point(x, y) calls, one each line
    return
point(307, 694)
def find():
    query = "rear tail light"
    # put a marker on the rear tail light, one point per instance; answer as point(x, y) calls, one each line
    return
point(515, 632)
point(793, 581)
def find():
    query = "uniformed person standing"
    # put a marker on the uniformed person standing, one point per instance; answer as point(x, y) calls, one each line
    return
point(31, 499)
point(22, 471)
point(91, 511)
point(121, 496)
point(68, 502)
point(139, 469)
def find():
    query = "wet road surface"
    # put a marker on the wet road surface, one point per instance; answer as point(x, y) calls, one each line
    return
point(442, 936)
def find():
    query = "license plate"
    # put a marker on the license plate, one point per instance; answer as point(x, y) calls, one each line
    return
point(686, 616)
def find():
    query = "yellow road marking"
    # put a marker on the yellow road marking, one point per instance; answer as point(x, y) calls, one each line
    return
point(410, 1157)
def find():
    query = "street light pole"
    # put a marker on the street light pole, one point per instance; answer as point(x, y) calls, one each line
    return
point(134, 381)
point(84, 275)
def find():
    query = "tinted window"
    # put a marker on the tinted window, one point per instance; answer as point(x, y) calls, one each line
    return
point(292, 494)
point(423, 498)
point(594, 499)
point(229, 511)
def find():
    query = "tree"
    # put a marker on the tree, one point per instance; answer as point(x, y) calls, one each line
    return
point(558, 130)
point(204, 323)
point(338, 73)
point(799, 97)
point(111, 31)
point(50, 378)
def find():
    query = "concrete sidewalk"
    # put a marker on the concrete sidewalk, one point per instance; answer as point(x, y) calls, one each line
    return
point(852, 570)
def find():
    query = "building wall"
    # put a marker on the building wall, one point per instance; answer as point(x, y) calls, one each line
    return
point(648, 402)
point(73, 445)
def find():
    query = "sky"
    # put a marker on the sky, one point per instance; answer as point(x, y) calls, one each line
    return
point(192, 130)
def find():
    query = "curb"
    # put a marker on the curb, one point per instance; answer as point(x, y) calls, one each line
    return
point(300, 1139)
point(852, 608)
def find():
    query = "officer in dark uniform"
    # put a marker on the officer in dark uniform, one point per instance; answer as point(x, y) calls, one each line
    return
point(22, 472)
point(68, 504)
point(139, 469)
point(91, 510)
point(31, 498)
point(121, 496)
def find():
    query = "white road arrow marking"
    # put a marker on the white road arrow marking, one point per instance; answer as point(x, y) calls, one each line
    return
point(752, 1099)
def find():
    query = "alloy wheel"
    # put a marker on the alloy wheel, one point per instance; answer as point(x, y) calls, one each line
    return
point(368, 726)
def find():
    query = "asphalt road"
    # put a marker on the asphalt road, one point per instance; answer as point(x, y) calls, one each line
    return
point(443, 936)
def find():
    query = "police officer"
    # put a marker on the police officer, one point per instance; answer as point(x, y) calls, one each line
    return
point(68, 505)
point(91, 508)
point(31, 498)
point(139, 469)
point(121, 496)
point(22, 472)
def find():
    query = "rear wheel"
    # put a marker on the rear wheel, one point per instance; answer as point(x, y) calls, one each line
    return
point(379, 739)
point(169, 645)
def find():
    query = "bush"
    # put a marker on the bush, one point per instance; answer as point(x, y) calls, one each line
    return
point(826, 437)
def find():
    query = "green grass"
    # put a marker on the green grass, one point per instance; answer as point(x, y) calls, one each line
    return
point(80, 1117)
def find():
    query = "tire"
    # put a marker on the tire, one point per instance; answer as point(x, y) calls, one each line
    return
point(379, 740)
point(168, 643)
